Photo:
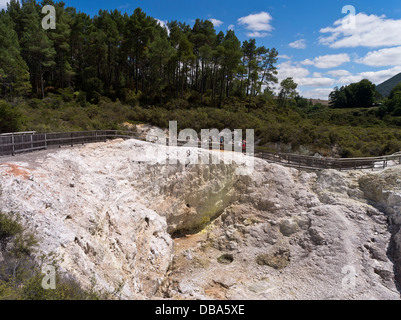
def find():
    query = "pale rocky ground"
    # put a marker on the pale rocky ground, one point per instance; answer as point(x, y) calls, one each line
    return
point(191, 231)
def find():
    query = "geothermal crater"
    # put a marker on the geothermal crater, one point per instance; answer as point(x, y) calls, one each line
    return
point(190, 231)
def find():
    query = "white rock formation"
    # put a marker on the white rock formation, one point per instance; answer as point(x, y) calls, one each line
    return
point(277, 233)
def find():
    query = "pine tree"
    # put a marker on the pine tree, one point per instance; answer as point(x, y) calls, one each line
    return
point(139, 33)
point(233, 56)
point(60, 37)
point(115, 55)
point(14, 75)
point(160, 54)
point(288, 91)
point(79, 47)
point(14, 10)
point(249, 50)
point(37, 48)
point(268, 60)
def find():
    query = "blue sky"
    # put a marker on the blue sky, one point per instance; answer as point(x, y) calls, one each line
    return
point(314, 47)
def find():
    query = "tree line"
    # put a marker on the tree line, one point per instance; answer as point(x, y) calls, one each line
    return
point(356, 95)
point(126, 56)
point(391, 105)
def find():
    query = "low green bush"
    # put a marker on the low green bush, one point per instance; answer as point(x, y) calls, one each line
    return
point(357, 131)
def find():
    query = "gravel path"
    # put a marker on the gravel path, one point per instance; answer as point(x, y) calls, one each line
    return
point(33, 159)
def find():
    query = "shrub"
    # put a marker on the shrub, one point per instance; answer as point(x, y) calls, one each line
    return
point(10, 118)
point(9, 228)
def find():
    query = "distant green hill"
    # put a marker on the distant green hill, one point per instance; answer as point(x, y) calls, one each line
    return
point(386, 87)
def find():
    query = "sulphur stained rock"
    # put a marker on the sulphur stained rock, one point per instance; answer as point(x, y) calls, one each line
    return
point(288, 227)
point(278, 259)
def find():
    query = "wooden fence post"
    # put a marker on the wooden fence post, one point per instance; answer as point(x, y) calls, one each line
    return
point(13, 146)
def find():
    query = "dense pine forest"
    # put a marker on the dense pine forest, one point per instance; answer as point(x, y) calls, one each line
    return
point(121, 56)
point(114, 68)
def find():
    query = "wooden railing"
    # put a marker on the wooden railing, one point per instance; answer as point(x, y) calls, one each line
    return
point(309, 162)
point(11, 144)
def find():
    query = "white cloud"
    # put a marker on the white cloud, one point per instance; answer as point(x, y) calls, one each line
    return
point(308, 62)
point(3, 4)
point(371, 31)
point(299, 44)
point(315, 82)
point(376, 77)
point(124, 6)
point(318, 93)
point(164, 25)
point(288, 69)
point(258, 24)
point(346, 80)
point(339, 73)
point(383, 57)
point(305, 79)
point(257, 34)
point(318, 85)
point(300, 75)
point(328, 61)
point(216, 23)
point(230, 27)
point(284, 56)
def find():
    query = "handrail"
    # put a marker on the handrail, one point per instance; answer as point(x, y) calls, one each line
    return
point(14, 143)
